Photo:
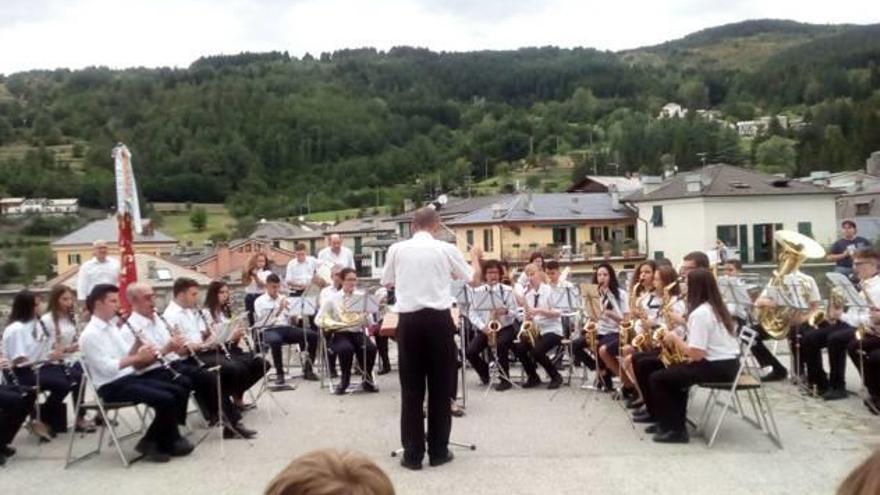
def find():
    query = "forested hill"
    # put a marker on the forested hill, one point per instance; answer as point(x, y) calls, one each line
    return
point(267, 132)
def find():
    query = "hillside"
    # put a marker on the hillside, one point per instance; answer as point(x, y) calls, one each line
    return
point(273, 135)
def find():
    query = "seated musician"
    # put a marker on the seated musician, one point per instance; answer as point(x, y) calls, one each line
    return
point(536, 308)
point(666, 308)
point(646, 306)
point(179, 340)
point(60, 321)
point(711, 354)
point(864, 352)
point(348, 339)
point(325, 294)
point(31, 350)
point(272, 315)
point(113, 363)
point(218, 311)
point(480, 320)
point(613, 304)
point(15, 404)
point(554, 279)
point(387, 298)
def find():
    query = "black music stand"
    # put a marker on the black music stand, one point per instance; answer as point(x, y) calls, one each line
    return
point(567, 299)
point(489, 302)
point(365, 304)
point(305, 306)
point(462, 293)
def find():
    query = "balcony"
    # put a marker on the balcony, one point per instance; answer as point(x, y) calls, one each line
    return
point(587, 252)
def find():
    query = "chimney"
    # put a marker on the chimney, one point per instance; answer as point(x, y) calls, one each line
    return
point(650, 183)
point(872, 164)
point(530, 203)
point(693, 183)
point(497, 211)
point(615, 197)
point(147, 228)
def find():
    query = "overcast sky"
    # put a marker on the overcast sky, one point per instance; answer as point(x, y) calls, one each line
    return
point(39, 34)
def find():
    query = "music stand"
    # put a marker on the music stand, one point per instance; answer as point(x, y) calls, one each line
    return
point(304, 306)
point(567, 299)
point(734, 292)
point(489, 302)
point(788, 295)
point(462, 293)
point(850, 292)
point(365, 304)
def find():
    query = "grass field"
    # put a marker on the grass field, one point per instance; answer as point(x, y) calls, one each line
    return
point(555, 179)
point(332, 216)
point(177, 225)
point(63, 153)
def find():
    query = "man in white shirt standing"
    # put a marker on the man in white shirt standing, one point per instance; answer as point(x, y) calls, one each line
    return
point(100, 269)
point(300, 270)
point(421, 271)
point(336, 253)
point(112, 363)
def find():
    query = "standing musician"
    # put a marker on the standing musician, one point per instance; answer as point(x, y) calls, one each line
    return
point(421, 271)
point(113, 363)
point(60, 321)
point(337, 254)
point(535, 302)
point(668, 309)
point(646, 305)
point(480, 320)
point(272, 314)
point(711, 354)
point(865, 352)
point(191, 330)
point(300, 271)
point(348, 339)
point(613, 304)
point(100, 269)
point(29, 347)
point(839, 330)
point(254, 275)
point(252, 367)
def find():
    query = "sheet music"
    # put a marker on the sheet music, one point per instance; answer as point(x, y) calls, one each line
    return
point(566, 299)
point(302, 305)
point(850, 291)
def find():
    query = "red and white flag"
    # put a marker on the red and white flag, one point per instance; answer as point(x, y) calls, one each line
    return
point(128, 217)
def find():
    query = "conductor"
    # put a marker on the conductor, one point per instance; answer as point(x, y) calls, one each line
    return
point(421, 271)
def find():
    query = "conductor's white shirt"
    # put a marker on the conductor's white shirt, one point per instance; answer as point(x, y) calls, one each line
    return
point(345, 258)
point(94, 272)
point(422, 269)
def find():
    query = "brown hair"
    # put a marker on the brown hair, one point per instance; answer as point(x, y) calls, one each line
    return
point(212, 301)
point(183, 284)
point(863, 480)
point(425, 218)
point(637, 274)
point(703, 288)
point(667, 276)
point(55, 296)
point(331, 472)
point(248, 271)
point(700, 259)
point(300, 246)
point(867, 254)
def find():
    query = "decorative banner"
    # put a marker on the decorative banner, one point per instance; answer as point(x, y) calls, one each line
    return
point(127, 213)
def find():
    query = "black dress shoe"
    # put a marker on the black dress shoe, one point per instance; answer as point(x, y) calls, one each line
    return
point(334, 374)
point(434, 461)
point(385, 370)
point(310, 375)
point(671, 437)
point(502, 386)
point(238, 431)
point(653, 429)
point(627, 393)
point(775, 376)
point(643, 418)
point(246, 407)
point(532, 382)
point(835, 394)
point(555, 382)
point(151, 452)
point(635, 404)
point(181, 447)
point(369, 387)
point(340, 389)
point(7, 451)
point(412, 465)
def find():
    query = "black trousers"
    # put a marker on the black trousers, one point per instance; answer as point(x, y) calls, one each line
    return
point(180, 387)
point(580, 350)
point(276, 337)
point(55, 381)
point(529, 355)
point(382, 348)
point(204, 384)
point(249, 306)
point(349, 346)
point(254, 365)
point(669, 388)
point(644, 365)
point(162, 396)
point(762, 353)
point(836, 337)
point(479, 343)
point(15, 405)
point(426, 345)
point(867, 355)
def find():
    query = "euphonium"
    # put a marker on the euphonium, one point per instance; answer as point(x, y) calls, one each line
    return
point(822, 316)
point(492, 333)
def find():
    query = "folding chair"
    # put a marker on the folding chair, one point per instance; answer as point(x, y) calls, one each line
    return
point(103, 409)
point(747, 380)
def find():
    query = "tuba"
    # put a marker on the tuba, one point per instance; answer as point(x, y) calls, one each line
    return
point(795, 248)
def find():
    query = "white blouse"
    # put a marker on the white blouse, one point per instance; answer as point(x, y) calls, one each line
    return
point(620, 305)
point(541, 299)
point(26, 340)
point(706, 332)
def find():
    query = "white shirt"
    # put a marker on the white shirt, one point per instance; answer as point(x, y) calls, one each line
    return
point(154, 331)
point(421, 270)
point(706, 332)
point(252, 287)
point(619, 305)
point(94, 272)
point(326, 293)
point(26, 340)
point(856, 316)
point(546, 324)
point(344, 259)
point(65, 325)
point(264, 306)
point(187, 321)
point(801, 281)
point(103, 348)
point(301, 273)
point(334, 306)
point(501, 294)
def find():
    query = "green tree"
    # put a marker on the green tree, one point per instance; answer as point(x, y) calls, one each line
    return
point(777, 155)
point(198, 218)
point(37, 261)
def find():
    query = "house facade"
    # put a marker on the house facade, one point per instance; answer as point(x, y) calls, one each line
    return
point(228, 260)
point(286, 235)
point(38, 206)
point(743, 208)
point(368, 238)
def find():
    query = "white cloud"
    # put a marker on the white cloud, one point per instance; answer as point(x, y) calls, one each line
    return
point(78, 33)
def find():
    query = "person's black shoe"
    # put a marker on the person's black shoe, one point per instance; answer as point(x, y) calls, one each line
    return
point(634, 403)
point(385, 370)
point(484, 379)
point(334, 374)
point(776, 376)
point(238, 431)
point(555, 382)
point(672, 437)
point(532, 382)
point(181, 447)
point(627, 393)
point(245, 407)
point(280, 385)
point(369, 387)
point(643, 418)
point(835, 394)
point(502, 386)
point(654, 428)
point(151, 452)
point(340, 389)
point(412, 465)
point(7, 451)
point(434, 461)
point(309, 375)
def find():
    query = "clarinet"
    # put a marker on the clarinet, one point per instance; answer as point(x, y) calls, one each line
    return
point(171, 332)
point(208, 332)
point(139, 335)
point(58, 343)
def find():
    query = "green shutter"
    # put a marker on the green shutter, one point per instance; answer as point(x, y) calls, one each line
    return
point(805, 228)
point(744, 243)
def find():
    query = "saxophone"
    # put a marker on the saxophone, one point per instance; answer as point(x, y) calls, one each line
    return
point(628, 328)
point(821, 317)
point(670, 354)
